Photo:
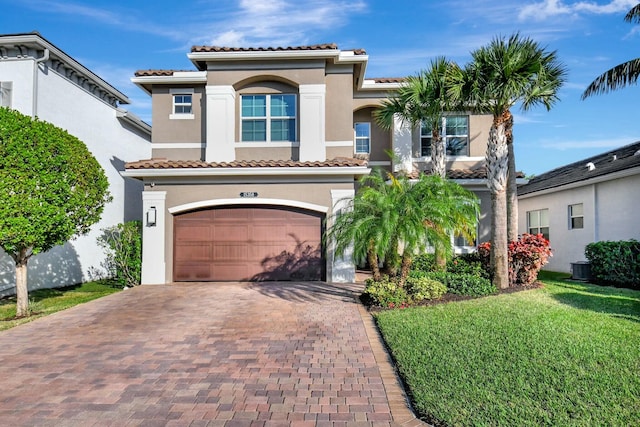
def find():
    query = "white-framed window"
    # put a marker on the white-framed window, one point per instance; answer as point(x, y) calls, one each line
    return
point(538, 222)
point(455, 133)
point(576, 216)
point(182, 103)
point(5, 94)
point(269, 118)
point(362, 132)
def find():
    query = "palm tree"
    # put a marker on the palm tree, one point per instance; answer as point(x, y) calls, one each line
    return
point(397, 214)
point(423, 98)
point(501, 74)
point(621, 75)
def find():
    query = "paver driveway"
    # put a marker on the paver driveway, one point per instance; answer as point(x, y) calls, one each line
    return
point(248, 354)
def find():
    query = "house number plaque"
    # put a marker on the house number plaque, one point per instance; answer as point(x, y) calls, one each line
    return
point(249, 194)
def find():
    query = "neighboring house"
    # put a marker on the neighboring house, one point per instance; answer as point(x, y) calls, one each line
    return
point(255, 149)
point(40, 80)
point(588, 201)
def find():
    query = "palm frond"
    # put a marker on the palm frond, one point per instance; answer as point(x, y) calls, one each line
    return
point(619, 76)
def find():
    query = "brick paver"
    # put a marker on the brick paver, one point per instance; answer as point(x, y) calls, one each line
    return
point(252, 354)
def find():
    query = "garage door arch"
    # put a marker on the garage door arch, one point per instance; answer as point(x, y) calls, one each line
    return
point(248, 242)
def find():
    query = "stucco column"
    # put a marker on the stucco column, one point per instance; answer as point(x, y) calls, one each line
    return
point(402, 145)
point(221, 120)
point(340, 269)
point(312, 122)
point(153, 238)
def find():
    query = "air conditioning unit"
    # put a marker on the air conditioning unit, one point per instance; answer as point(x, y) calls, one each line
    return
point(581, 270)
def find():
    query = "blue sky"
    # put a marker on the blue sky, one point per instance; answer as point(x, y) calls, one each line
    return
point(115, 38)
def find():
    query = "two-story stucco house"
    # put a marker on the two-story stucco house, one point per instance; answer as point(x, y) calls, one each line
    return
point(39, 79)
point(591, 200)
point(255, 149)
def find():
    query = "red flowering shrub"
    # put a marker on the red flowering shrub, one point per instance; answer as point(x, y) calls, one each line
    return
point(527, 256)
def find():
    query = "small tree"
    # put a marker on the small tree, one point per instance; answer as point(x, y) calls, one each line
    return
point(51, 190)
point(123, 246)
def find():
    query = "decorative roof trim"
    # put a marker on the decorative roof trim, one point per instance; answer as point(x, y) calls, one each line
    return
point(36, 40)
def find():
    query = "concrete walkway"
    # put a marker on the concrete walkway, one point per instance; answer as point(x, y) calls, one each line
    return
point(252, 354)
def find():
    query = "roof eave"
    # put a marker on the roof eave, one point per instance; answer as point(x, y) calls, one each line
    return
point(258, 171)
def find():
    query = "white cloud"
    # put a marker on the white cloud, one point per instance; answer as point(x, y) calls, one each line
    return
point(540, 11)
point(276, 23)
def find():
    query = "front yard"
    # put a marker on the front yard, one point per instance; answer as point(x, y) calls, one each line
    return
point(43, 302)
point(564, 354)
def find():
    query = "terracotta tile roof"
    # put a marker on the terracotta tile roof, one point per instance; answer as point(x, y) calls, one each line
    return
point(477, 173)
point(145, 73)
point(388, 79)
point(617, 160)
point(199, 164)
point(359, 51)
point(325, 46)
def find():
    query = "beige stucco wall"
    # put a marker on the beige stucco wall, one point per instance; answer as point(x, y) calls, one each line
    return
point(610, 213)
point(172, 130)
point(268, 153)
point(338, 122)
point(178, 153)
point(238, 74)
point(177, 195)
point(479, 127)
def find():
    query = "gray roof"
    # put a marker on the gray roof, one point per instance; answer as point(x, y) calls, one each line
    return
point(620, 159)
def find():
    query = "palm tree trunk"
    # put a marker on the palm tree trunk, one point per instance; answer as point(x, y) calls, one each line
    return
point(439, 168)
point(497, 169)
point(512, 186)
point(438, 155)
point(404, 269)
point(373, 263)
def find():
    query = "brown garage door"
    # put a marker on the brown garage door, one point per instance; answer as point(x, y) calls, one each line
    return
point(249, 244)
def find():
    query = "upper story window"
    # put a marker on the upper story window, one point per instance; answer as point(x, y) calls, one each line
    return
point(267, 118)
point(538, 222)
point(576, 216)
point(5, 94)
point(182, 104)
point(363, 137)
point(455, 133)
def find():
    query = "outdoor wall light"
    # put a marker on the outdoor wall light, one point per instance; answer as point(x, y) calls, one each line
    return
point(151, 217)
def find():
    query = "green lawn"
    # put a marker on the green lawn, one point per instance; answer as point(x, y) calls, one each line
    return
point(565, 354)
point(47, 301)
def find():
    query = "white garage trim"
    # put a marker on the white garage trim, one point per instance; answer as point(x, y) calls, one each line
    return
point(248, 201)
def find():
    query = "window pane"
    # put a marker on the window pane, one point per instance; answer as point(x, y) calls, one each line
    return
point(254, 130)
point(544, 217)
point(533, 219)
point(457, 125)
point(576, 210)
point(577, 222)
point(545, 232)
point(283, 105)
point(362, 145)
point(362, 130)
point(254, 106)
point(283, 130)
point(456, 146)
point(425, 147)
point(425, 129)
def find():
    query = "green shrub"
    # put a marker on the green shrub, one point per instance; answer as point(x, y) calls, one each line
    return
point(385, 293)
point(615, 263)
point(424, 288)
point(424, 262)
point(462, 284)
point(467, 264)
point(123, 246)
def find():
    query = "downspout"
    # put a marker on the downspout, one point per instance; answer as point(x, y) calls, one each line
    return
point(36, 61)
point(596, 217)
